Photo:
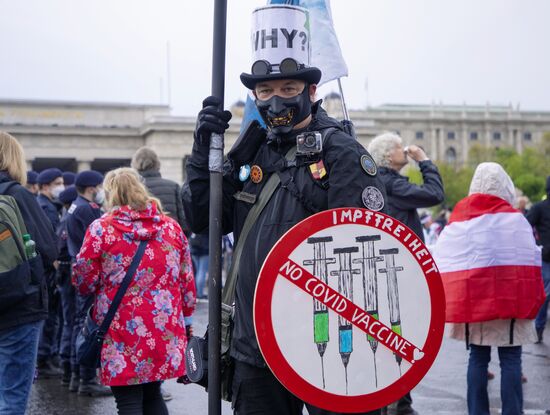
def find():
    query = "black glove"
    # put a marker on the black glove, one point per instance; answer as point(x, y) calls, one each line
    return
point(211, 119)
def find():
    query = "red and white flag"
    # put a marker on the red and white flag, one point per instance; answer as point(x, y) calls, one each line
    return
point(489, 262)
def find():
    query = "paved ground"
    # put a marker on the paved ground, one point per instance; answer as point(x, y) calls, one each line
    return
point(441, 392)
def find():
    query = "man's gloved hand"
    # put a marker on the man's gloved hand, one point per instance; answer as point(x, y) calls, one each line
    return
point(211, 119)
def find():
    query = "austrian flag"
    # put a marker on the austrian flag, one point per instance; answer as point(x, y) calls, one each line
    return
point(489, 262)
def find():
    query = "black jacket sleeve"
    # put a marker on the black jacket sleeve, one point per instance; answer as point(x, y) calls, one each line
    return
point(408, 195)
point(38, 225)
point(196, 192)
point(347, 179)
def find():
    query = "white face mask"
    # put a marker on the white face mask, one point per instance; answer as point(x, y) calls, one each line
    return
point(100, 197)
point(56, 190)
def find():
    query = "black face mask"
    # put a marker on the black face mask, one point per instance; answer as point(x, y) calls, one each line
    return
point(282, 114)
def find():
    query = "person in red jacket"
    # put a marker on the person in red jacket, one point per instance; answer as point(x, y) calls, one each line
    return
point(146, 341)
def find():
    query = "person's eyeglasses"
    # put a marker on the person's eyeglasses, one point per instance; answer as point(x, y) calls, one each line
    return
point(287, 66)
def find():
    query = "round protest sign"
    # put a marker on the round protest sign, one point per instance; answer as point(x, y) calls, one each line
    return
point(349, 310)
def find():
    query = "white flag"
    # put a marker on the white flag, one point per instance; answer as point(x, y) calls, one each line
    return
point(325, 49)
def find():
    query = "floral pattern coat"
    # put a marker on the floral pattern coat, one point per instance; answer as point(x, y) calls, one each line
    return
point(146, 340)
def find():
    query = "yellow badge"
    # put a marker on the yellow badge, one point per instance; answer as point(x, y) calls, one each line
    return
point(318, 170)
point(256, 174)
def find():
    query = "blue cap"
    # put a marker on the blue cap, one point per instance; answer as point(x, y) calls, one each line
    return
point(32, 177)
point(68, 178)
point(49, 175)
point(68, 195)
point(88, 178)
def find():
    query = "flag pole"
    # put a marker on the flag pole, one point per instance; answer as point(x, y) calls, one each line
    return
point(215, 166)
point(343, 101)
point(347, 123)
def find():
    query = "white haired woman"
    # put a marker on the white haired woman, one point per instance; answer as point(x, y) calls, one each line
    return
point(490, 266)
point(404, 198)
point(146, 340)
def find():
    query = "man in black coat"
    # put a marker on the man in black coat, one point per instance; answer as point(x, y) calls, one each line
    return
point(147, 163)
point(404, 198)
point(339, 173)
point(539, 217)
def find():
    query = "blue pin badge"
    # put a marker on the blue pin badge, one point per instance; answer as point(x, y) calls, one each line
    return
point(368, 164)
point(244, 173)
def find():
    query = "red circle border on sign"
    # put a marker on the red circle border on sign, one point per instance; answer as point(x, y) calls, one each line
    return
point(268, 343)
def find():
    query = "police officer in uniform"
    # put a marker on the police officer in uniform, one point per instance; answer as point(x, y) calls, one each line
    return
point(330, 170)
point(66, 289)
point(32, 182)
point(83, 211)
point(50, 183)
point(68, 178)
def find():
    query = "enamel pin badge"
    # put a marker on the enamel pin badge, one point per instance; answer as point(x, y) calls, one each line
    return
point(256, 174)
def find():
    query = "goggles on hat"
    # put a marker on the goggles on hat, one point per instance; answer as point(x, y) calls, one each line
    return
point(287, 66)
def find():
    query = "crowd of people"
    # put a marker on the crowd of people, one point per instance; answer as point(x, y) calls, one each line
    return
point(85, 230)
point(75, 237)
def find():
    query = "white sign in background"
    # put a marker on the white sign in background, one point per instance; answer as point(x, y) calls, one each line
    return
point(292, 313)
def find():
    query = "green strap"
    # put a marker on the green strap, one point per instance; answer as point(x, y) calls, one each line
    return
point(228, 296)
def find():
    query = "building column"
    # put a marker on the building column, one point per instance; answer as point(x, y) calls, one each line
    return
point(511, 136)
point(487, 133)
point(172, 167)
point(519, 140)
point(441, 144)
point(433, 144)
point(84, 165)
point(464, 144)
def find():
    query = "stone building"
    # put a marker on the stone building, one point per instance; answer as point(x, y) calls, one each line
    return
point(80, 135)
point(77, 136)
point(446, 132)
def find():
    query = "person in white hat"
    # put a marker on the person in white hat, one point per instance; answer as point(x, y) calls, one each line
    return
point(330, 169)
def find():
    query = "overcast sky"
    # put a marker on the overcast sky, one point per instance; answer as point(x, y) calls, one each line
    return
point(411, 51)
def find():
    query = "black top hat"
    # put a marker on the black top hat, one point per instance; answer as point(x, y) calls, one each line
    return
point(289, 68)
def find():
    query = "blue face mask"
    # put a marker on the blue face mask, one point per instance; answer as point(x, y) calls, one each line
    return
point(282, 114)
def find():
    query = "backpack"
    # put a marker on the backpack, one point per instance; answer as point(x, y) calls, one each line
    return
point(19, 276)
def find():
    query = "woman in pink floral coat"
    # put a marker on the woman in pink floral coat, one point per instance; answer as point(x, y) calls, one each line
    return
point(146, 340)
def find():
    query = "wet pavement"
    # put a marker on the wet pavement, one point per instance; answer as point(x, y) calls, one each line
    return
point(441, 392)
